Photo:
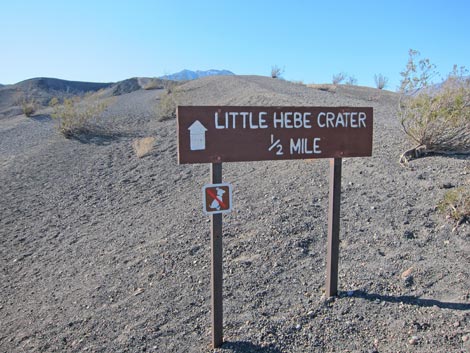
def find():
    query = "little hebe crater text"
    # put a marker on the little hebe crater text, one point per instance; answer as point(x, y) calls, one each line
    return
point(289, 120)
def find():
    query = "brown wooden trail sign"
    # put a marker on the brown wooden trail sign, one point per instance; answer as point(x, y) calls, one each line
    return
point(237, 134)
point(211, 134)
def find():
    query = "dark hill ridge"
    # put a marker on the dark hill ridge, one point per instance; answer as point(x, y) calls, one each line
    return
point(57, 85)
point(42, 89)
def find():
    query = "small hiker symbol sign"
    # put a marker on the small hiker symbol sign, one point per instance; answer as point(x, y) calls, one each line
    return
point(217, 198)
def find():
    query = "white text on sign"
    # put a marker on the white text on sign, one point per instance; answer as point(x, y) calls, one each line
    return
point(289, 120)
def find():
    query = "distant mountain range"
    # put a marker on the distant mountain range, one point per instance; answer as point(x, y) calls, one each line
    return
point(186, 75)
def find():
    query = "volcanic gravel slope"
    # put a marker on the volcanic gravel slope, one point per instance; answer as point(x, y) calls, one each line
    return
point(103, 252)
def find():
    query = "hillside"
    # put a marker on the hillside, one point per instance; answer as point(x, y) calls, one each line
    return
point(42, 90)
point(102, 251)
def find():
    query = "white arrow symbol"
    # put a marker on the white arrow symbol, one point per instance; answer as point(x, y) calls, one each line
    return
point(197, 136)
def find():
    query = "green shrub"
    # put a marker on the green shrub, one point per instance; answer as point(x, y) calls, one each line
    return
point(74, 114)
point(456, 204)
point(435, 118)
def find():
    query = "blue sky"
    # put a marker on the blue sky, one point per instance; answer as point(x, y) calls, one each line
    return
point(104, 41)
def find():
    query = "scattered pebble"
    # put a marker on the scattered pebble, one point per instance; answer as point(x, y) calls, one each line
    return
point(407, 273)
point(408, 234)
point(138, 291)
point(413, 340)
point(408, 281)
point(465, 338)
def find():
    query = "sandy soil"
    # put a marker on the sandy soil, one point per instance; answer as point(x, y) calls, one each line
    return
point(104, 252)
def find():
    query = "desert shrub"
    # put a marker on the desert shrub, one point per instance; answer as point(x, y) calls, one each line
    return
point(167, 107)
point(152, 84)
point(351, 81)
point(380, 81)
point(436, 118)
point(75, 113)
point(344, 77)
point(417, 75)
point(170, 85)
point(338, 78)
point(456, 204)
point(29, 106)
point(324, 87)
point(276, 71)
point(53, 102)
point(143, 146)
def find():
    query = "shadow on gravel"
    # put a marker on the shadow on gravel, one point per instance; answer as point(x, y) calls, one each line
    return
point(102, 137)
point(456, 155)
point(247, 347)
point(407, 299)
point(41, 118)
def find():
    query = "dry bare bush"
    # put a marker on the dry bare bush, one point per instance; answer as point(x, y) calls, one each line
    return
point(436, 118)
point(338, 78)
point(142, 147)
point(74, 114)
point(276, 71)
point(351, 81)
point(344, 77)
point(380, 81)
point(153, 84)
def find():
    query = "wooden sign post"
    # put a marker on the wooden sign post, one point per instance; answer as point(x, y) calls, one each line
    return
point(211, 134)
point(216, 269)
point(332, 256)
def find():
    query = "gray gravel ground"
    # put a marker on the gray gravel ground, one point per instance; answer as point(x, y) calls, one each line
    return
point(104, 252)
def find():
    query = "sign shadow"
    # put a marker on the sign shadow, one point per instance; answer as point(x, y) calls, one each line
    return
point(407, 299)
point(247, 347)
